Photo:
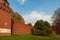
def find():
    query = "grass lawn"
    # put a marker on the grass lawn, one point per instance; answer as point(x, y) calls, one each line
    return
point(28, 37)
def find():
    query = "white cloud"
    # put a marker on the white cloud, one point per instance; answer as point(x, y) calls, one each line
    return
point(21, 1)
point(35, 15)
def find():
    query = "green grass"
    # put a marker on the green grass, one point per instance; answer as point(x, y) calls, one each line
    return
point(28, 37)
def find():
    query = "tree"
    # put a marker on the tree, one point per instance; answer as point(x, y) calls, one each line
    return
point(56, 14)
point(30, 24)
point(56, 21)
point(39, 24)
point(18, 17)
point(42, 28)
point(47, 27)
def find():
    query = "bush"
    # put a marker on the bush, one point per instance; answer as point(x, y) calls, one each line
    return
point(40, 33)
point(42, 28)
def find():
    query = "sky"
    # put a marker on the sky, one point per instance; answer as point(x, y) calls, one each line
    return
point(33, 10)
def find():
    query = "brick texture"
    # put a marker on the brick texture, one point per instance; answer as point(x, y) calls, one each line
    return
point(7, 22)
point(20, 28)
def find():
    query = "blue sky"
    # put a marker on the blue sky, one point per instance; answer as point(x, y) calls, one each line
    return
point(35, 9)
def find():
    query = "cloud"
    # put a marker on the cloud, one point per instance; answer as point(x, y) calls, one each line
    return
point(22, 1)
point(33, 16)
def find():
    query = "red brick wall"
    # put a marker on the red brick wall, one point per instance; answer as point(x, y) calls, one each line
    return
point(5, 34)
point(21, 28)
point(5, 18)
point(5, 21)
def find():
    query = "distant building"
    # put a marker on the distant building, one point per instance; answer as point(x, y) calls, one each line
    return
point(8, 25)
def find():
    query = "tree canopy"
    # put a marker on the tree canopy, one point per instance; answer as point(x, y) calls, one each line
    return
point(42, 28)
point(56, 21)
